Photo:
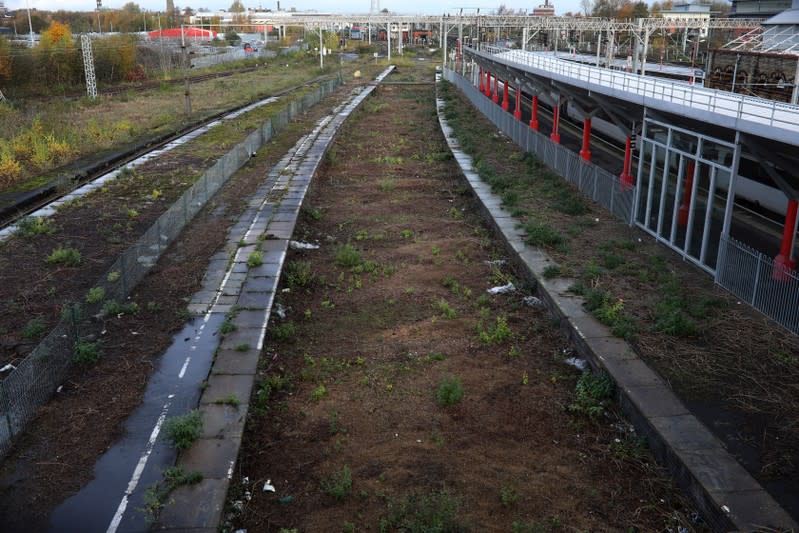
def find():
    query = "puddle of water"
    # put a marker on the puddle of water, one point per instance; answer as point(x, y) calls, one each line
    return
point(94, 507)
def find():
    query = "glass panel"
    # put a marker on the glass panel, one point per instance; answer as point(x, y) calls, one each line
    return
point(717, 222)
point(684, 141)
point(697, 225)
point(643, 186)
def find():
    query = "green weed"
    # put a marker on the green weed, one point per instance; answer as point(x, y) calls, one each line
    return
point(231, 400)
point(182, 431)
point(64, 256)
point(436, 511)
point(592, 394)
point(300, 274)
point(450, 391)
point(495, 333)
point(32, 226)
point(542, 234)
point(338, 484)
point(95, 294)
point(87, 353)
point(255, 259)
point(348, 256)
point(34, 328)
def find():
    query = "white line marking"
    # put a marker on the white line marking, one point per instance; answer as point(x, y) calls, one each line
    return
point(137, 472)
point(185, 366)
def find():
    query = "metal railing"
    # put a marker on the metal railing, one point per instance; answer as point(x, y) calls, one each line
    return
point(754, 110)
point(751, 276)
point(35, 379)
point(593, 181)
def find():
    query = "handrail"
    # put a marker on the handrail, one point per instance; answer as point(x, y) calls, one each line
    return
point(749, 108)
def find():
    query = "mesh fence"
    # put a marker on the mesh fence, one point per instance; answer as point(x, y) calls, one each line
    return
point(593, 181)
point(30, 385)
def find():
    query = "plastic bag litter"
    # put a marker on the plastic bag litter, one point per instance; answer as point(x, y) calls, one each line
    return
point(280, 311)
point(576, 362)
point(532, 301)
point(495, 262)
point(268, 487)
point(297, 245)
point(7, 368)
point(502, 289)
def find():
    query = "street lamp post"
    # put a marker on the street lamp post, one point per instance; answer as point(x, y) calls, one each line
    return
point(30, 24)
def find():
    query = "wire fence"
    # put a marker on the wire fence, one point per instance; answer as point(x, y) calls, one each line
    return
point(593, 181)
point(745, 272)
point(35, 379)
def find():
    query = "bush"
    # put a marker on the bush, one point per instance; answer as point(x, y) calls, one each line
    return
point(87, 353)
point(592, 394)
point(540, 234)
point(348, 256)
point(338, 484)
point(65, 256)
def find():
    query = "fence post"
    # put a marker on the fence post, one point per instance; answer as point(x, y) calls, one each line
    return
point(6, 408)
point(757, 280)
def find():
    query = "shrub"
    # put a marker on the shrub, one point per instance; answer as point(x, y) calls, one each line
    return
point(30, 226)
point(255, 260)
point(34, 328)
point(592, 394)
point(87, 353)
point(540, 234)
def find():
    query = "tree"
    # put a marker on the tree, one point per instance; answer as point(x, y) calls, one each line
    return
point(587, 6)
point(57, 55)
point(237, 7)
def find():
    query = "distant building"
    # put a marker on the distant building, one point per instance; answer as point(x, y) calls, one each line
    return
point(690, 11)
point(544, 10)
point(758, 8)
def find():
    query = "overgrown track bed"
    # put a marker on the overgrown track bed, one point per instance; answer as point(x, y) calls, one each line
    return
point(11, 214)
point(735, 370)
point(55, 456)
point(397, 394)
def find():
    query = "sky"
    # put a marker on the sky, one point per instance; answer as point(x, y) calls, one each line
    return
point(405, 7)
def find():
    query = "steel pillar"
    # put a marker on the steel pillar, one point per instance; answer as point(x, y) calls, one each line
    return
point(534, 114)
point(517, 113)
point(688, 185)
point(555, 136)
point(585, 153)
point(625, 177)
point(784, 262)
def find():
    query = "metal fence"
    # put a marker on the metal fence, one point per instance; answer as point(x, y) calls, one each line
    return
point(745, 272)
point(597, 183)
point(751, 276)
point(32, 383)
point(208, 60)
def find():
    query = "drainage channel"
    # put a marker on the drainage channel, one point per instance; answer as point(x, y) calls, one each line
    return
point(114, 500)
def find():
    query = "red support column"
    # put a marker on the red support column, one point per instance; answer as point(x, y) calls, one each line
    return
point(555, 136)
point(784, 262)
point(488, 83)
point(505, 103)
point(626, 179)
point(534, 114)
point(495, 96)
point(688, 181)
point(517, 113)
point(585, 153)
point(481, 80)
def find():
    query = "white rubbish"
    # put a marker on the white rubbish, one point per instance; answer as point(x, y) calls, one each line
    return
point(268, 487)
point(532, 301)
point(725, 508)
point(280, 310)
point(60, 388)
point(240, 531)
point(132, 332)
point(496, 262)
point(297, 245)
point(502, 289)
point(245, 480)
point(576, 362)
point(419, 441)
point(7, 368)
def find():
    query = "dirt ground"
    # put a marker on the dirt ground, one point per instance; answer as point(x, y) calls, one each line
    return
point(353, 420)
point(54, 458)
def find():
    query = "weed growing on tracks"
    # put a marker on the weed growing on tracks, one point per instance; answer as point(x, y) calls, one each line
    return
point(31, 226)
point(348, 256)
point(95, 294)
point(227, 327)
point(87, 353)
point(64, 256)
point(231, 400)
point(338, 484)
point(156, 494)
point(432, 511)
point(182, 431)
point(446, 310)
point(34, 328)
point(318, 393)
point(496, 333)
point(592, 394)
point(450, 391)
point(255, 259)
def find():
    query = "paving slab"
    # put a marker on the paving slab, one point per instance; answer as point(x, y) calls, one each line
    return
point(195, 507)
point(222, 420)
point(236, 362)
point(220, 386)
